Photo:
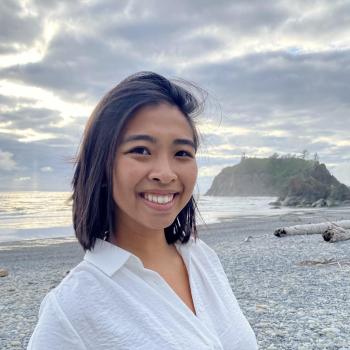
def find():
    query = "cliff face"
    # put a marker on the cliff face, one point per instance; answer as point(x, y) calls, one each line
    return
point(295, 181)
point(256, 177)
point(314, 187)
point(234, 181)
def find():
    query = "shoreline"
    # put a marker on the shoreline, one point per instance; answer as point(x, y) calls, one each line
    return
point(50, 234)
point(289, 305)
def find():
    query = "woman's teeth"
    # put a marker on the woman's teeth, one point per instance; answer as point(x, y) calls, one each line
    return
point(160, 199)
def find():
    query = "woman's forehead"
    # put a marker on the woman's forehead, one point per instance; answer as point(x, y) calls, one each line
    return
point(160, 119)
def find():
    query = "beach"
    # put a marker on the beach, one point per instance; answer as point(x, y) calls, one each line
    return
point(295, 291)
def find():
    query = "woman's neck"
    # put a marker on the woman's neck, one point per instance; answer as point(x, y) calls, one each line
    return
point(150, 246)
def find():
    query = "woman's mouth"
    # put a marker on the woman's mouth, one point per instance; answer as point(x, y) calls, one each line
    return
point(159, 201)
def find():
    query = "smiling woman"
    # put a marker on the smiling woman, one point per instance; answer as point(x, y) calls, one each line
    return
point(147, 281)
point(155, 170)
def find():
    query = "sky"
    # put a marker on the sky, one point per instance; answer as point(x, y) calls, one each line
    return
point(277, 74)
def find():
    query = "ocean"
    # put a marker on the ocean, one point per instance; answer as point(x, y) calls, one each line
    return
point(33, 215)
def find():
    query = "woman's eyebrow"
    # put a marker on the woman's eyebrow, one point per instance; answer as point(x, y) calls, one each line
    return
point(132, 138)
point(141, 137)
point(187, 142)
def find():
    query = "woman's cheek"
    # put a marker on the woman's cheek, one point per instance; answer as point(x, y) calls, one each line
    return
point(192, 173)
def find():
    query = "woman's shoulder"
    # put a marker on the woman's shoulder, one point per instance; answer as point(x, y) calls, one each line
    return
point(64, 310)
point(201, 249)
point(206, 259)
point(82, 284)
point(200, 244)
point(81, 273)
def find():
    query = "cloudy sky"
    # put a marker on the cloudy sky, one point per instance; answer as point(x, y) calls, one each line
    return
point(277, 74)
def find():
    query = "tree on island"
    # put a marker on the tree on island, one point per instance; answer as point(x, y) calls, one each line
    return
point(304, 154)
point(243, 157)
point(275, 156)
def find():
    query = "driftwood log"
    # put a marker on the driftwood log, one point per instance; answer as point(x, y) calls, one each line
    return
point(335, 234)
point(311, 229)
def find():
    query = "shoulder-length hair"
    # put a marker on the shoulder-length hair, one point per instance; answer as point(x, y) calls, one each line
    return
point(93, 204)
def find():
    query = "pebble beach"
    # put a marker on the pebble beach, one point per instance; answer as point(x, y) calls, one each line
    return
point(295, 291)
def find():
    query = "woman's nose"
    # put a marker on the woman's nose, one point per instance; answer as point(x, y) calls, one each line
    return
point(162, 171)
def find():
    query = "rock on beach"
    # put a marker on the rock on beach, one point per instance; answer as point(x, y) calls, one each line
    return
point(3, 273)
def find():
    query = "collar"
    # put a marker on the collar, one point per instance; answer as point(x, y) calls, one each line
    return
point(109, 258)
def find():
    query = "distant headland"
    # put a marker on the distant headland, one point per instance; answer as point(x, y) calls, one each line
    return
point(296, 181)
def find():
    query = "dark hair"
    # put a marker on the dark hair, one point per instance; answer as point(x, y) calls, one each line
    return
point(93, 204)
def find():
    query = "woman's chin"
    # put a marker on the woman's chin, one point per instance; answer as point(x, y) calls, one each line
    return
point(159, 224)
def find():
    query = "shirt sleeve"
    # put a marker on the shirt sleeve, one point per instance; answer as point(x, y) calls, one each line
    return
point(53, 330)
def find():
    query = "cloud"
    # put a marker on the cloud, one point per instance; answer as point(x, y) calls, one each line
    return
point(281, 83)
point(7, 163)
point(21, 120)
point(19, 26)
point(46, 169)
point(23, 178)
point(31, 157)
point(29, 117)
point(342, 172)
point(113, 39)
point(279, 71)
point(8, 103)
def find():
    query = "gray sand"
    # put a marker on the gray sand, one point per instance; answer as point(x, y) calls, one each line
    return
point(290, 302)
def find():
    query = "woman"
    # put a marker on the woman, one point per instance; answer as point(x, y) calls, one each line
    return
point(146, 281)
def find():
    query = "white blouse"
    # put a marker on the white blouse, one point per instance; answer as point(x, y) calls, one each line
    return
point(110, 301)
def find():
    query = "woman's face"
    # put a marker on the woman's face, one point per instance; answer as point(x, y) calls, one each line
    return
point(155, 168)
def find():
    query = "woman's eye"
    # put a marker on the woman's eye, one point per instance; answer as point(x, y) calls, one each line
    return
point(140, 150)
point(184, 154)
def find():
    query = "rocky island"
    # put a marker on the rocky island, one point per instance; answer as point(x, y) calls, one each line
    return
point(295, 181)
